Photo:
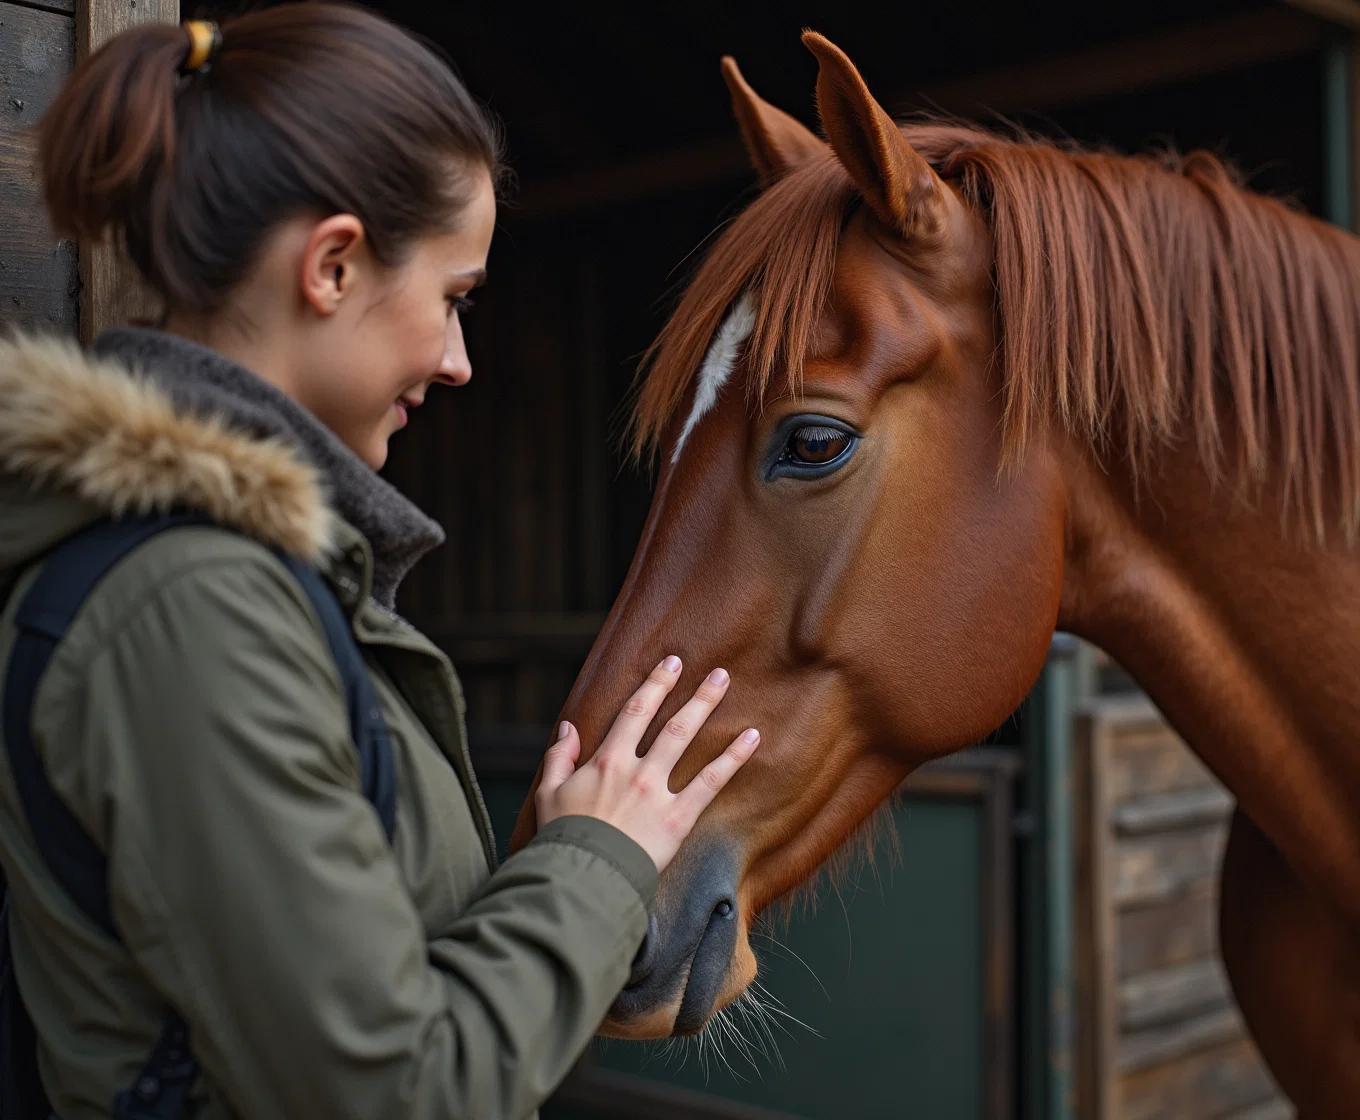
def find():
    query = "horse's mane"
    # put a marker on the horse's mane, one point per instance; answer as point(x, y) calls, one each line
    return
point(1138, 299)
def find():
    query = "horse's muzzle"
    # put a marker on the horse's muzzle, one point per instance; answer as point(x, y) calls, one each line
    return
point(686, 953)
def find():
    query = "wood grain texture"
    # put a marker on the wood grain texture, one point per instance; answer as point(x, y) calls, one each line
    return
point(1172, 994)
point(37, 271)
point(111, 290)
point(58, 7)
point(1206, 1083)
point(1154, 760)
point(1162, 866)
point(1161, 1036)
point(1269, 1110)
point(1179, 809)
point(1169, 933)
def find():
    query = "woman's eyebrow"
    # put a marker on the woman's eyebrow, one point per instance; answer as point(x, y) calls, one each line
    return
point(476, 275)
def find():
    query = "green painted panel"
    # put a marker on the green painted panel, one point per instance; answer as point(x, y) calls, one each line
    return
point(896, 996)
point(503, 799)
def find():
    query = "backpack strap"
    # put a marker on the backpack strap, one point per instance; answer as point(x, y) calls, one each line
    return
point(67, 577)
point(21, 1091)
point(368, 728)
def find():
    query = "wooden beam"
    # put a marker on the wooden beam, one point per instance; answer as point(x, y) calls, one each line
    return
point(1145, 61)
point(1142, 62)
point(111, 290)
point(1343, 12)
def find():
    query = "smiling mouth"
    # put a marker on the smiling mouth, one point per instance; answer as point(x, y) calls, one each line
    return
point(403, 405)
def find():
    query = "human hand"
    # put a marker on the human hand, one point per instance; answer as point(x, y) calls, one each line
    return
point(632, 793)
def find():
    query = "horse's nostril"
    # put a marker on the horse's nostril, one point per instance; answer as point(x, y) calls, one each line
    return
point(724, 909)
point(646, 954)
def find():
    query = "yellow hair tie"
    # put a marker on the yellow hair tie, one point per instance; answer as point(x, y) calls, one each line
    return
point(205, 40)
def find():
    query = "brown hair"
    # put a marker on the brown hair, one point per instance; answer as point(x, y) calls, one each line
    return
point(305, 107)
point(1138, 300)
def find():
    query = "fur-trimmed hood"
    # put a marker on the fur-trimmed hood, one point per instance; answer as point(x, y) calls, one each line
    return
point(84, 436)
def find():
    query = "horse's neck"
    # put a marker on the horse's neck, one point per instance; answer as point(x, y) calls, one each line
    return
point(1247, 640)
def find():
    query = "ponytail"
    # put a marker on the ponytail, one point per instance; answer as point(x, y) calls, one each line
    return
point(110, 133)
point(305, 107)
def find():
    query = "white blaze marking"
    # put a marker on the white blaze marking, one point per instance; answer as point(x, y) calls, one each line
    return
point(718, 363)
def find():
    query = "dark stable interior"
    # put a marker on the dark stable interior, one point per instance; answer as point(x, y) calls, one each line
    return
point(627, 161)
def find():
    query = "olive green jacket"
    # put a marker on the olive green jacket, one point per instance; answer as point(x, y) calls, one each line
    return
point(193, 723)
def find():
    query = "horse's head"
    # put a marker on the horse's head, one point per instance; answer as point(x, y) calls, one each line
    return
point(833, 523)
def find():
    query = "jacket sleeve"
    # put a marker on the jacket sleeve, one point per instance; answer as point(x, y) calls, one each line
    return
point(254, 886)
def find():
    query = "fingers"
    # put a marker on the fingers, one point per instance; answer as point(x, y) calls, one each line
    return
point(642, 707)
point(560, 761)
point(681, 728)
point(708, 783)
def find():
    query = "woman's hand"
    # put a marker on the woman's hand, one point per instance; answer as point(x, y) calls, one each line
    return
point(632, 793)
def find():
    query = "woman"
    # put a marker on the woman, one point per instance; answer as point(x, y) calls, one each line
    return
point(312, 193)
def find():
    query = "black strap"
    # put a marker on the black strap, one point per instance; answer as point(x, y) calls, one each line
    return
point(44, 616)
point(68, 576)
point(21, 1091)
point(377, 771)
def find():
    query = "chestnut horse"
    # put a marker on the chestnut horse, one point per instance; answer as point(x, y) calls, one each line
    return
point(937, 392)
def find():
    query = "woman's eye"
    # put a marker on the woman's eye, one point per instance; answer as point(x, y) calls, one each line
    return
point(817, 445)
point(459, 304)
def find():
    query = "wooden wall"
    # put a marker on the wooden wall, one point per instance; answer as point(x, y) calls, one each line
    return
point(38, 273)
point(46, 283)
point(1160, 1037)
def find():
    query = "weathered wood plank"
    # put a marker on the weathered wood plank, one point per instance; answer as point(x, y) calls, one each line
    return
point(1206, 1083)
point(1154, 760)
point(1162, 866)
point(111, 289)
point(37, 272)
point(1168, 933)
point(1155, 1046)
point(1278, 1109)
point(1178, 809)
point(57, 7)
point(1172, 994)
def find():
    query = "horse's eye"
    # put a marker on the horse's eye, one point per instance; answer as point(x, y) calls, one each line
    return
point(816, 445)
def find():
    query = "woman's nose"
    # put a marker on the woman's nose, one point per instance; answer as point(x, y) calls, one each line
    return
point(455, 368)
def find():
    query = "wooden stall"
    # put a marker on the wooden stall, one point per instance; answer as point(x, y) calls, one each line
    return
point(1160, 1035)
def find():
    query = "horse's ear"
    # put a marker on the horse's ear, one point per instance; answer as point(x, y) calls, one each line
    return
point(900, 187)
point(775, 141)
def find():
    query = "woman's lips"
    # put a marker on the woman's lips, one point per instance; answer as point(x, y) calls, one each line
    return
point(403, 405)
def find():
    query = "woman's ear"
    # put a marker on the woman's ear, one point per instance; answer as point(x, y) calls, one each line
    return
point(330, 262)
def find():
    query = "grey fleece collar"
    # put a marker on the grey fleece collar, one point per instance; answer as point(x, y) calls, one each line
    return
point(203, 382)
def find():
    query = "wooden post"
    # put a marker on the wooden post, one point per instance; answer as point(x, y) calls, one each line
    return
point(1353, 128)
point(1338, 130)
point(111, 290)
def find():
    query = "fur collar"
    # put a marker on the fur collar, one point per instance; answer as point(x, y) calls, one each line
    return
point(201, 382)
point(85, 425)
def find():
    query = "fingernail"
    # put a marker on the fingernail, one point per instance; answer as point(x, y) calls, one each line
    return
point(750, 735)
point(563, 730)
point(718, 676)
point(671, 664)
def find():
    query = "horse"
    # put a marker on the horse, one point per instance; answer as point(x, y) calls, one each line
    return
point(937, 392)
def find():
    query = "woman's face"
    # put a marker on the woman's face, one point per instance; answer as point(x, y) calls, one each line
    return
point(398, 333)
